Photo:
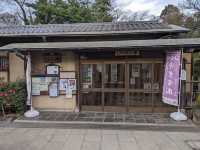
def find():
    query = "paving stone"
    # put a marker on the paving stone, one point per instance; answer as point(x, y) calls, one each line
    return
point(194, 144)
point(98, 119)
point(90, 146)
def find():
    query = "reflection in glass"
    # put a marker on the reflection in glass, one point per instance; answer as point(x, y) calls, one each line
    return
point(114, 76)
point(114, 99)
point(91, 98)
point(140, 99)
point(140, 76)
point(91, 76)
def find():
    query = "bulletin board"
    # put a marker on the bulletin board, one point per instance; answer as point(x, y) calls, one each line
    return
point(40, 84)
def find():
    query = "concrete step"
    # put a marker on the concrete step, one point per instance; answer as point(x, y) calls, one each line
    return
point(105, 125)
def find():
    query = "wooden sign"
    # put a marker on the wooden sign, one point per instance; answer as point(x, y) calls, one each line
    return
point(127, 53)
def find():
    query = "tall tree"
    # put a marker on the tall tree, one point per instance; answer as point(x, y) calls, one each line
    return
point(172, 15)
point(61, 11)
point(102, 10)
point(22, 11)
point(192, 5)
point(9, 19)
point(80, 11)
point(193, 22)
point(46, 11)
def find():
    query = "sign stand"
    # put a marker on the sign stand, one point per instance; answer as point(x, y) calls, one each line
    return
point(179, 116)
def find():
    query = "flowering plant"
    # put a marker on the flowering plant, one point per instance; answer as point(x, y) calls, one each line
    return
point(12, 95)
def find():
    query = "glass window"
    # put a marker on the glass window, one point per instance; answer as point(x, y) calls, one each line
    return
point(91, 76)
point(3, 63)
point(114, 76)
point(140, 76)
point(140, 99)
point(91, 98)
point(114, 99)
point(157, 77)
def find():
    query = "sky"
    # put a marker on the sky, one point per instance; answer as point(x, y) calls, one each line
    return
point(154, 7)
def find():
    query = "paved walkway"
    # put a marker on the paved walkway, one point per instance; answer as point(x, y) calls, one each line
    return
point(103, 117)
point(79, 139)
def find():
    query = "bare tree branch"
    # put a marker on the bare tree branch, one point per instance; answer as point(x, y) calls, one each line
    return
point(192, 4)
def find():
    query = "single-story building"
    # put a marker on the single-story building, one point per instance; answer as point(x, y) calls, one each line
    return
point(116, 66)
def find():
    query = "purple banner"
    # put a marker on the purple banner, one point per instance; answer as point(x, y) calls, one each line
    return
point(171, 78)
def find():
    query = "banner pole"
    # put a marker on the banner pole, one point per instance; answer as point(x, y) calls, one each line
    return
point(180, 82)
point(179, 116)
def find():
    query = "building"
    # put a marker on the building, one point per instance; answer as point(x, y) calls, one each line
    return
point(108, 66)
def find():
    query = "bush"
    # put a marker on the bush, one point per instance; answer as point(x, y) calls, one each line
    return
point(13, 95)
point(198, 101)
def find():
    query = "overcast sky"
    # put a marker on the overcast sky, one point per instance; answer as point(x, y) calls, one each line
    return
point(153, 6)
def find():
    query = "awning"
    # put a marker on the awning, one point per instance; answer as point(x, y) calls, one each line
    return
point(155, 43)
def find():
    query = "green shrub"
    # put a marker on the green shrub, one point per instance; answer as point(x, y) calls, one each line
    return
point(13, 94)
point(198, 101)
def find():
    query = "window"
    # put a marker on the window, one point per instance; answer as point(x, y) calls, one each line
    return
point(3, 63)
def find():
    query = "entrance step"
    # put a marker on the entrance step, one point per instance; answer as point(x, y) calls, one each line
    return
point(143, 121)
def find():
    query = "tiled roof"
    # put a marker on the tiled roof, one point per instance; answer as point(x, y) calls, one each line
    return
point(102, 45)
point(89, 28)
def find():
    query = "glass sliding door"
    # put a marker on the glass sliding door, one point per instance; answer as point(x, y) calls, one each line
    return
point(140, 87)
point(114, 76)
point(114, 87)
point(122, 86)
point(91, 87)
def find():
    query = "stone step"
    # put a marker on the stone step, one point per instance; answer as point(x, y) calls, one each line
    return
point(104, 125)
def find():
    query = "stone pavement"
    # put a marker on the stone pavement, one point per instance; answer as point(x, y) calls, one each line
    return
point(107, 117)
point(99, 139)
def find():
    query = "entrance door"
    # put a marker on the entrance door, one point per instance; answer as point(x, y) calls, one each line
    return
point(121, 86)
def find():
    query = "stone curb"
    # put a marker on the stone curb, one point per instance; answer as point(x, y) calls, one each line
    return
point(100, 123)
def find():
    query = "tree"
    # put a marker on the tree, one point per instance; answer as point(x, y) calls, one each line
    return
point(120, 15)
point(9, 19)
point(172, 15)
point(46, 11)
point(192, 5)
point(80, 11)
point(102, 10)
point(61, 11)
point(22, 11)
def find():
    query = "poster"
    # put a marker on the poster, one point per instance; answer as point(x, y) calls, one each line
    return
point(53, 89)
point(44, 87)
point(35, 89)
point(53, 70)
point(62, 84)
point(171, 78)
point(72, 84)
point(67, 83)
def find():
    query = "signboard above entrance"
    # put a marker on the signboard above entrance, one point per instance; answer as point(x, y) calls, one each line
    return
point(127, 53)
